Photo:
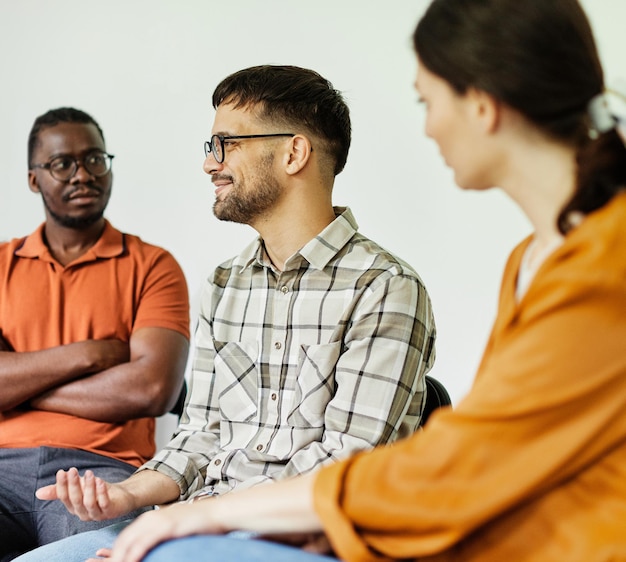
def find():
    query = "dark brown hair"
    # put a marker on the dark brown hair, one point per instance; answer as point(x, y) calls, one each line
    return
point(540, 58)
point(296, 97)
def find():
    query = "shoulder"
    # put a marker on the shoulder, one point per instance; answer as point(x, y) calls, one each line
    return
point(9, 247)
point(602, 236)
point(596, 247)
point(587, 270)
point(237, 265)
point(370, 256)
point(134, 258)
point(143, 251)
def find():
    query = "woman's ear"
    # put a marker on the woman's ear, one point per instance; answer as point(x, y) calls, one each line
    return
point(299, 153)
point(487, 109)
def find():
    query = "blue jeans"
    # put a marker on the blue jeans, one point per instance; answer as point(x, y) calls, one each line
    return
point(230, 548)
point(25, 521)
point(236, 547)
point(76, 548)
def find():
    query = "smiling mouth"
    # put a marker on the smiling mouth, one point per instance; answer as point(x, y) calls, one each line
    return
point(221, 184)
point(220, 189)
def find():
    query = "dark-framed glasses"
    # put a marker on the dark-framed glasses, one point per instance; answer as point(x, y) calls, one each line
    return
point(215, 146)
point(62, 168)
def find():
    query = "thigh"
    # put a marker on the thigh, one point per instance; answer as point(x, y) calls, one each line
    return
point(53, 522)
point(76, 548)
point(53, 459)
point(225, 548)
point(19, 468)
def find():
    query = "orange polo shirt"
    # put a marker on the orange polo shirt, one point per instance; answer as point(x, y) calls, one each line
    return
point(531, 465)
point(118, 286)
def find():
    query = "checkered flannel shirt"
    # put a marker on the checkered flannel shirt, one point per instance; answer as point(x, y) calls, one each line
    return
point(299, 368)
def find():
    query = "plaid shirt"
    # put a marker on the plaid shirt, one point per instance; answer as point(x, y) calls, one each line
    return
point(299, 368)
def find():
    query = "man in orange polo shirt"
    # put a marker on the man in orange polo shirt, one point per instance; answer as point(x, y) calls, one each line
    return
point(94, 336)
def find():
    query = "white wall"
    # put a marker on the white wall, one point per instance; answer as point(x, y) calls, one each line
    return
point(146, 70)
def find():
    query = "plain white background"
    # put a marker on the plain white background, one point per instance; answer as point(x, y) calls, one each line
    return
point(146, 70)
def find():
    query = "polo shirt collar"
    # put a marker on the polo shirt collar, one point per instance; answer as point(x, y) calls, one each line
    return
point(109, 245)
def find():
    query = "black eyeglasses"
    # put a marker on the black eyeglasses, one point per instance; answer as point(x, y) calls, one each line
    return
point(215, 146)
point(63, 168)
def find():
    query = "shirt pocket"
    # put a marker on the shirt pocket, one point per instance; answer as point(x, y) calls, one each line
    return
point(314, 385)
point(236, 380)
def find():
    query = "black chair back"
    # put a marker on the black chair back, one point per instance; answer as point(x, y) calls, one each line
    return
point(177, 409)
point(436, 397)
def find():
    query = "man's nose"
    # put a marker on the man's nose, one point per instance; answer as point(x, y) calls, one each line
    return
point(211, 165)
point(81, 175)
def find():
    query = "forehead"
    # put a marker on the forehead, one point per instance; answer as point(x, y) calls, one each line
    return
point(421, 76)
point(68, 138)
point(429, 83)
point(235, 120)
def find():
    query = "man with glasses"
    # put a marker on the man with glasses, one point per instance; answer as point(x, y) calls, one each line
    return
point(311, 344)
point(94, 332)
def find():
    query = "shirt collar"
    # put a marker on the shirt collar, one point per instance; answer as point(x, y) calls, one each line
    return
point(318, 251)
point(110, 244)
point(325, 246)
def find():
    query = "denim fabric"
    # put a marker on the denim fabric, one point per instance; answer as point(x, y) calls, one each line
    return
point(25, 521)
point(229, 548)
point(76, 548)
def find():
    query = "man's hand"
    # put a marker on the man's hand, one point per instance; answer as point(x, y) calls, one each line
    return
point(32, 375)
point(4, 346)
point(88, 497)
point(105, 354)
point(99, 355)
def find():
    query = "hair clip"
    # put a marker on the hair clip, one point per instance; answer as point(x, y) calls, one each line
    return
point(617, 106)
point(600, 116)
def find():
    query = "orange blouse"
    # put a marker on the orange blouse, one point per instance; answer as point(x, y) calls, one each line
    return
point(531, 465)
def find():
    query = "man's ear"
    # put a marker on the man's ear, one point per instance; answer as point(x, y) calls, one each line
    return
point(33, 185)
point(299, 153)
point(487, 110)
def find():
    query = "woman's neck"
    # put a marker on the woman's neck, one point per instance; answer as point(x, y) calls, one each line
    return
point(541, 179)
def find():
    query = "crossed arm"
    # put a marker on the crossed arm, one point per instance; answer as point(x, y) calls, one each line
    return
point(140, 378)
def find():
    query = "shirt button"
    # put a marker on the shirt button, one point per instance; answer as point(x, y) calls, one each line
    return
point(273, 396)
point(218, 462)
point(259, 447)
point(278, 345)
point(284, 289)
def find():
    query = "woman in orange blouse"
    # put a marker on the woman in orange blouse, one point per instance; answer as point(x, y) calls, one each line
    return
point(531, 465)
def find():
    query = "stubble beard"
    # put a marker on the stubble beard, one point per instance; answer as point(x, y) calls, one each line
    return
point(246, 203)
point(75, 223)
